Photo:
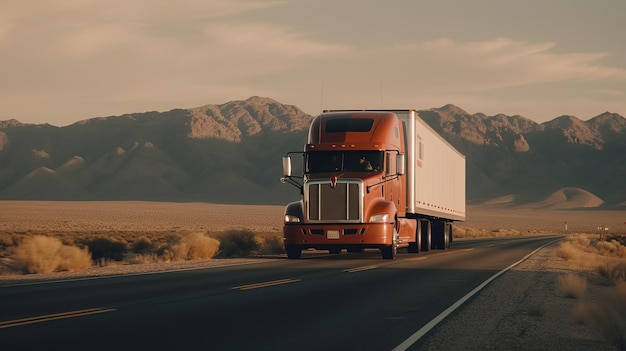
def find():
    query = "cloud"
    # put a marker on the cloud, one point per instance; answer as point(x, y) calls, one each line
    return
point(116, 51)
point(479, 75)
point(498, 63)
point(110, 57)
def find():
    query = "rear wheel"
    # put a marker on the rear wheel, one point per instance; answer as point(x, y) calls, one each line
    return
point(426, 235)
point(441, 235)
point(293, 252)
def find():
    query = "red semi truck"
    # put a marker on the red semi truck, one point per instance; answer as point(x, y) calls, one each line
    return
point(378, 179)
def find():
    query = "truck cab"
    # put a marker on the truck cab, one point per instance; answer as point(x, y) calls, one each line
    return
point(379, 179)
point(353, 186)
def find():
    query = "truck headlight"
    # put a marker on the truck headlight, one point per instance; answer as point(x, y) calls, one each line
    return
point(291, 219)
point(380, 218)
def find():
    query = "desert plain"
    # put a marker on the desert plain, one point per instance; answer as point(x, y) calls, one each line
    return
point(118, 216)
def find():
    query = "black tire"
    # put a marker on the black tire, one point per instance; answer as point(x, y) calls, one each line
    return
point(426, 235)
point(390, 252)
point(293, 252)
point(439, 235)
point(334, 251)
point(414, 247)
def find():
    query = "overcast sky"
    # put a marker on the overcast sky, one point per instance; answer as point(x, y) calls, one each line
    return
point(63, 61)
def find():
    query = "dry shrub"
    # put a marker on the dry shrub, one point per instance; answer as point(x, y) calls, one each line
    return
point(611, 248)
point(567, 251)
point(237, 243)
point(42, 254)
point(271, 244)
point(577, 248)
point(572, 285)
point(608, 315)
point(143, 246)
point(192, 246)
point(74, 258)
point(613, 270)
point(461, 232)
point(7, 241)
point(105, 249)
point(581, 241)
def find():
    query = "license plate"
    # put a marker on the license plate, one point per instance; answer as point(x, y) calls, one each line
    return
point(332, 234)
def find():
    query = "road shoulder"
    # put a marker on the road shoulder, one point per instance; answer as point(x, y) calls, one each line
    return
point(521, 310)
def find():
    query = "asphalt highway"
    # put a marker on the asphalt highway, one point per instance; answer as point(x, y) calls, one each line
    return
point(320, 302)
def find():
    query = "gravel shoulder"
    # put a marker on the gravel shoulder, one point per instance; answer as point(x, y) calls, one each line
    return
point(523, 310)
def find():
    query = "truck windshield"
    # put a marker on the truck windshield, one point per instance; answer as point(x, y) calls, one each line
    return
point(343, 161)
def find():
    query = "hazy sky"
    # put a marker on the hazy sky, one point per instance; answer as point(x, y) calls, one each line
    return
point(66, 60)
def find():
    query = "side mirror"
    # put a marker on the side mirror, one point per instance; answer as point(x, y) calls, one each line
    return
point(400, 165)
point(286, 166)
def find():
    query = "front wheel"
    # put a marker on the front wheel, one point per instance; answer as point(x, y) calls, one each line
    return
point(293, 252)
point(390, 252)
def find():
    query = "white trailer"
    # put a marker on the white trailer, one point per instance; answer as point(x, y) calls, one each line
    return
point(435, 171)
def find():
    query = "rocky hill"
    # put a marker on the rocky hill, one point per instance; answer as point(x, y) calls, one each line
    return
point(514, 158)
point(231, 153)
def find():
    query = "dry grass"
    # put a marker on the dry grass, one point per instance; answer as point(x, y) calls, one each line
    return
point(607, 313)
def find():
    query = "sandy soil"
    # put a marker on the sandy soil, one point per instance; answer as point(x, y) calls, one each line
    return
point(552, 221)
point(85, 216)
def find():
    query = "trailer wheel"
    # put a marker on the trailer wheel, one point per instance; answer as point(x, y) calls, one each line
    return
point(440, 235)
point(426, 239)
point(293, 252)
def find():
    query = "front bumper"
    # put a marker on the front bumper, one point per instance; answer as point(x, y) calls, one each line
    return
point(325, 236)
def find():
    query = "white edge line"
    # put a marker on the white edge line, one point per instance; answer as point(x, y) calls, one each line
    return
point(430, 325)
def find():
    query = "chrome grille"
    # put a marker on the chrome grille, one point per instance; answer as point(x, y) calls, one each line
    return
point(341, 203)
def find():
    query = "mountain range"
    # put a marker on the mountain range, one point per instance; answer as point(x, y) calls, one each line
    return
point(231, 153)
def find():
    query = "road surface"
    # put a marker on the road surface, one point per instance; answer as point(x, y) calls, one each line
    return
point(321, 302)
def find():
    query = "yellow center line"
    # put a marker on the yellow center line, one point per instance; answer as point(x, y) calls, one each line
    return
point(55, 316)
point(417, 258)
point(359, 269)
point(265, 284)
